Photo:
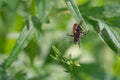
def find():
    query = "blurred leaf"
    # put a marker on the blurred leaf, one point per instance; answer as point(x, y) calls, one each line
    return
point(9, 44)
point(2, 39)
point(36, 22)
point(113, 21)
point(86, 72)
point(3, 75)
point(32, 50)
point(109, 13)
point(58, 56)
point(7, 17)
point(1, 4)
point(104, 19)
point(41, 10)
point(100, 12)
point(110, 35)
point(33, 7)
point(75, 11)
point(23, 40)
point(112, 10)
point(19, 76)
point(93, 22)
point(56, 50)
point(12, 5)
point(55, 58)
point(18, 23)
point(116, 67)
point(62, 59)
point(13, 33)
point(96, 12)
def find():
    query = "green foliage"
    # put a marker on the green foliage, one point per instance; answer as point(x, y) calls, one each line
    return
point(3, 75)
point(108, 34)
point(75, 11)
point(23, 40)
point(28, 29)
point(36, 22)
point(66, 61)
point(58, 57)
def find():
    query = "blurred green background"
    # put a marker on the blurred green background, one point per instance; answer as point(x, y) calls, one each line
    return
point(54, 21)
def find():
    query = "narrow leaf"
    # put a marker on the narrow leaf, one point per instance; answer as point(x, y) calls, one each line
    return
point(108, 35)
point(75, 11)
point(23, 40)
point(56, 50)
point(41, 9)
point(36, 22)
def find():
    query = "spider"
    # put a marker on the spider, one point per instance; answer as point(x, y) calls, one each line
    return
point(77, 32)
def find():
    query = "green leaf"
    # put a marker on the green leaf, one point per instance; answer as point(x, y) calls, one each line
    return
point(105, 20)
point(110, 14)
point(75, 11)
point(113, 21)
point(109, 34)
point(32, 52)
point(36, 22)
point(19, 76)
point(33, 7)
point(102, 12)
point(3, 75)
point(110, 37)
point(116, 67)
point(23, 40)
point(56, 50)
point(13, 4)
point(41, 9)
point(53, 57)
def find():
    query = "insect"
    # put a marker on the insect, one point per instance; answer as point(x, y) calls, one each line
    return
point(77, 32)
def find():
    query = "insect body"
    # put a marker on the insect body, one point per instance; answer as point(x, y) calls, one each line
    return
point(77, 32)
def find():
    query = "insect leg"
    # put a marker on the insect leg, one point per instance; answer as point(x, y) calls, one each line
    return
point(79, 43)
point(70, 41)
point(83, 33)
point(70, 35)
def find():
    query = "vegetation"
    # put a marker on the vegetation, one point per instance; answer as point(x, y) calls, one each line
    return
point(35, 45)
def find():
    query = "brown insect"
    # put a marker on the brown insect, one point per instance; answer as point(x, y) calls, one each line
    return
point(77, 32)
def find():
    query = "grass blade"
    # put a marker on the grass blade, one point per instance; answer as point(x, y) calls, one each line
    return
point(23, 40)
